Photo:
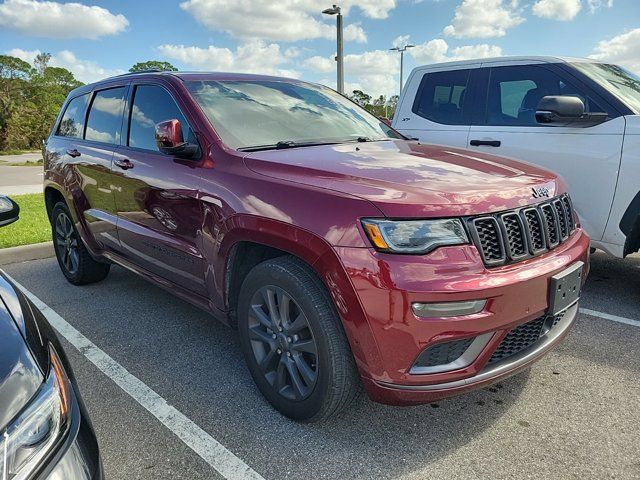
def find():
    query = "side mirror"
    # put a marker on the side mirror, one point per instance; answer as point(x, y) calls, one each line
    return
point(565, 109)
point(385, 120)
point(9, 211)
point(170, 141)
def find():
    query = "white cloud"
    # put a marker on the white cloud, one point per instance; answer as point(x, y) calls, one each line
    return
point(286, 20)
point(401, 41)
point(320, 64)
point(597, 4)
point(482, 50)
point(437, 50)
point(60, 20)
point(432, 51)
point(563, 10)
point(623, 50)
point(483, 19)
point(376, 72)
point(86, 71)
point(254, 56)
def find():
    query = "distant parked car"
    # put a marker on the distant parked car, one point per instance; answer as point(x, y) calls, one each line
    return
point(576, 117)
point(45, 432)
point(344, 254)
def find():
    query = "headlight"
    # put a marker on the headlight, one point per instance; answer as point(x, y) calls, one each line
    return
point(414, 236)
point(35, 433)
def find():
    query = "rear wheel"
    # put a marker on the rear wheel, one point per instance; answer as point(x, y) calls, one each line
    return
point(293, 341)
point(74, 259)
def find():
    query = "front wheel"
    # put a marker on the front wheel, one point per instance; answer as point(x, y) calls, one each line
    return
point(293, 341)
point(74, 259)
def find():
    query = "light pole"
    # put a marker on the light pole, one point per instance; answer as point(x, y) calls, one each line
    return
point(401, 50)
point(335, 10)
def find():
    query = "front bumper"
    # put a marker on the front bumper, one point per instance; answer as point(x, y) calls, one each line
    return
point(387, 285)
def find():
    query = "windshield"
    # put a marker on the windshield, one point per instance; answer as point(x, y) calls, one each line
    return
point(618, 81)
point(270, 114)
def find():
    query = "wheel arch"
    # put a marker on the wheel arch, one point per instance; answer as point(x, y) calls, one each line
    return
point(630, 226)
point(270, 239)
point(53, 195)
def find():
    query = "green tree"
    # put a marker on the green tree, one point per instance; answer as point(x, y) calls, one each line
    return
point(360, 98)
point(30, 99)
point(153, 65)
point(41, 62)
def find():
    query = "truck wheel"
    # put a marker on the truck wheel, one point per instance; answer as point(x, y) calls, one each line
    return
point(293, 341)
point(74, 259)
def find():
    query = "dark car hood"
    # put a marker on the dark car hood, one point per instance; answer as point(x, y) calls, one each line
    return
point(20, 376)
point(407, 179)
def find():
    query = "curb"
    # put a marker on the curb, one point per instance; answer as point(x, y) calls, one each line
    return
point(25, 253)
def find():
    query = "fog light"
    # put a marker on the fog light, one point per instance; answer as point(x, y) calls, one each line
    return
point(448, 309)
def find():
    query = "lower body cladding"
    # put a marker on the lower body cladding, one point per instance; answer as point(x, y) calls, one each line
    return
point(501, 320)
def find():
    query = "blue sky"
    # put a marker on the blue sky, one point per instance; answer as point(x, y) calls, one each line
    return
point(96, 38)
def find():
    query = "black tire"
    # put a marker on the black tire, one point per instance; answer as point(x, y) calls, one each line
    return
point(76, 263)
point(330, 377)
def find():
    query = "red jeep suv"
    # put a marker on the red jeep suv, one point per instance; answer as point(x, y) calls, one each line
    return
point(343, 253)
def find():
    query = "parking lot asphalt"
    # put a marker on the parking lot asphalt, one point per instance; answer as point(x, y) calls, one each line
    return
point(573, 415)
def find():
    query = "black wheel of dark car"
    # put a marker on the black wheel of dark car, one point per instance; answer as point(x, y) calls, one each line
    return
point(293, 341)
point(74, 259)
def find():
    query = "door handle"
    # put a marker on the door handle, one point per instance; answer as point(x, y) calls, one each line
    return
point(73, 153)
point(488, 143)
point(125, 164)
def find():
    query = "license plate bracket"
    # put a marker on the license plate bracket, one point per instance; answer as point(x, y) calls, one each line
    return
point(564, 289)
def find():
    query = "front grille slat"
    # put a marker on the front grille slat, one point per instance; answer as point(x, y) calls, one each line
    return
point(487, 231)
point(551, 224)
point(515, 235)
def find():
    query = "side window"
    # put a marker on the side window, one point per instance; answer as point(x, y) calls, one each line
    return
point(72, 123)
point(514, 94)
point(105, 116)
point(441, 97)
point(152, 104)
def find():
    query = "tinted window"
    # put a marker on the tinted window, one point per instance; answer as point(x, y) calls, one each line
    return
point(441, 97)
point(72, 122)
point(514, 94)
point(152, 105)
point(105, 116)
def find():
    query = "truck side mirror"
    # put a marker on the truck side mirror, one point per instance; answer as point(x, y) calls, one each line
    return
point(565, 109)
point(9, 211)
point(170, 141)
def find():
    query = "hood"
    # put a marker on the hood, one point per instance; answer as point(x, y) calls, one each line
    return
point(20, 376)
point(409, 179)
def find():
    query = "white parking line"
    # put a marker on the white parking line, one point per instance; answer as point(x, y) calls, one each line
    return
point(613, 318)
point(207, 447)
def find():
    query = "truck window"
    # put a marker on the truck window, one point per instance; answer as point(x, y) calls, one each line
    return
point(105, 116)
point(514, 94)
point(441, 97)
point(72, 123)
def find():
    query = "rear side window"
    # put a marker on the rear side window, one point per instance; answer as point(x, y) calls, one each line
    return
point(105, 116)
point(152, 104)
point(442, 97)
point(72, 123)
point(514, 94)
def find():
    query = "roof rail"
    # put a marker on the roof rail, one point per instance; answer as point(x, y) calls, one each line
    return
point(150, 70)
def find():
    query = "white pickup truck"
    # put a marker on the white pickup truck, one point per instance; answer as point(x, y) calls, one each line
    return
point(576, 117)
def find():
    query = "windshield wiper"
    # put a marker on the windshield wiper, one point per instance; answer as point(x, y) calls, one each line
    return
point(283, 145)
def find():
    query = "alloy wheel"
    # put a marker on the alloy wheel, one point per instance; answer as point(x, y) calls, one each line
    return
point(67, 243)
point(282, 343)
